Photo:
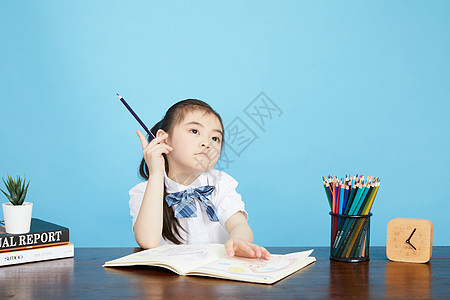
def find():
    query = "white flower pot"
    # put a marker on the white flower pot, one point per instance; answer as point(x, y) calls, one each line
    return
point(17, 217)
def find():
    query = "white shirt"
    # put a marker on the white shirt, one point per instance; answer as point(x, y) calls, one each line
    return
point(200, 229)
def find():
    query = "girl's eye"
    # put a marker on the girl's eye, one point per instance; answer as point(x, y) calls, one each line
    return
point(195, 131)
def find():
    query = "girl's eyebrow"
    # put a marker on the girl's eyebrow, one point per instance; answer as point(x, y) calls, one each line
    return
point(201, 125)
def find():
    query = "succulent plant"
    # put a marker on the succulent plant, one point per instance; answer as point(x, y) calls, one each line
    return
point(17, 190)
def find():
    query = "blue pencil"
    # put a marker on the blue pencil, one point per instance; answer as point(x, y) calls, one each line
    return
point(361, 200)
point(136, 117)
point(346, 194)
point(341, 198)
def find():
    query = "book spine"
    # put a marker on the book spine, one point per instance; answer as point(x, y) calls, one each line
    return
point(31, 240)
point(38, 254)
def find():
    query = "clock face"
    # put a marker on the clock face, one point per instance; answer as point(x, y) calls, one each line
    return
point(409, 240)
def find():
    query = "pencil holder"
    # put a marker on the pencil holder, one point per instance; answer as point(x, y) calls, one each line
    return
point(350, 236)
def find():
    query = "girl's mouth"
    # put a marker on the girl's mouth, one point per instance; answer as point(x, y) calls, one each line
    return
point(202, 153)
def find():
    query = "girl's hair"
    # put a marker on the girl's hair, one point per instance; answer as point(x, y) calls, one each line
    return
point(174, 115)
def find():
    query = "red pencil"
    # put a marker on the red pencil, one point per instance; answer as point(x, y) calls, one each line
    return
point(334, 194)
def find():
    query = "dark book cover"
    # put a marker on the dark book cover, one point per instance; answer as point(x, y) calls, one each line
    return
point(42, 233)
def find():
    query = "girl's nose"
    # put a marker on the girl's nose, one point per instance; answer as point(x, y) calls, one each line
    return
point(205, 144)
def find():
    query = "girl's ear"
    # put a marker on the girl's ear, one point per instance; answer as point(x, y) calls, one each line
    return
point(159, 133)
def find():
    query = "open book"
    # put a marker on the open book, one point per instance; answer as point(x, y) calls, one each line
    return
point(212, 260)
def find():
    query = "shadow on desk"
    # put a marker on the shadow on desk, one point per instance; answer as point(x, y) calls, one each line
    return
point(380, 279)
point(157, 282)
point(408, 279)
point(351, 279)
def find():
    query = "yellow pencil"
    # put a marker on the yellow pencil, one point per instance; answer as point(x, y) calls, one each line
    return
point(352, 243)
point(369, 206)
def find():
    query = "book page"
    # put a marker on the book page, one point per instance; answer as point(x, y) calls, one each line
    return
point(256, 270)
point(178, 258)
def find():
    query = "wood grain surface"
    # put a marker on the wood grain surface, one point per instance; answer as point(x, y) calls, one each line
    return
point(83, 277)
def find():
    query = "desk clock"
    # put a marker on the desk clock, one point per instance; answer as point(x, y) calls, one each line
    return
point(409, 240)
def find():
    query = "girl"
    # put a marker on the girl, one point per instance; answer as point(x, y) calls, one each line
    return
point(184, 199)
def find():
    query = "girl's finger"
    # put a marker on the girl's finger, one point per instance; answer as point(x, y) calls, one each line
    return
point(142, 138)
point(153, 152)
point(266, 254)
point(258, 252)
point(145, 143)
point(229, 247)
point(256, 249)
point(151, 148)
point(247, 248)
point(159, 139)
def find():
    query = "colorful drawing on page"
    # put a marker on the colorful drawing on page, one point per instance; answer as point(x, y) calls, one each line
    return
point(236, 270)
point(257, 268)
point(276, 264)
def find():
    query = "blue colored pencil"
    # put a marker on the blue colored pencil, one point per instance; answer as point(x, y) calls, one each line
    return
point(150, 134)
point(346, 194)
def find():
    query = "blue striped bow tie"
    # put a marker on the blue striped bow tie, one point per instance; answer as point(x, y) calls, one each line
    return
point(187, 208)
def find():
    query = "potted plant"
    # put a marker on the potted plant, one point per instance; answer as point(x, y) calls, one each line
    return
point(16, 213)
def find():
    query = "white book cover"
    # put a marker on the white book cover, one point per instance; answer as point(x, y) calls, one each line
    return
point(36, 254)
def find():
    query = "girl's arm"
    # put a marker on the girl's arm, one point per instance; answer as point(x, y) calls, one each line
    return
point(149, 221)
point(241, 238)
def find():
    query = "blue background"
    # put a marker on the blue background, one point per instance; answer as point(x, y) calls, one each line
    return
point(363, 87)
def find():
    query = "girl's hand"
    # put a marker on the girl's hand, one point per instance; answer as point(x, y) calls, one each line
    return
point(239, 247)
point(153, 152)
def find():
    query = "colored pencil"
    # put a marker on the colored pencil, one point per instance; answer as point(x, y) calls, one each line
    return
point(346, 194)
point(341, 198)
point(150, 134)
point(352, 195)
point(327, 191)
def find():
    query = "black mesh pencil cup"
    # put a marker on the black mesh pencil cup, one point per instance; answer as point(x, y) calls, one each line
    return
point(350, 236)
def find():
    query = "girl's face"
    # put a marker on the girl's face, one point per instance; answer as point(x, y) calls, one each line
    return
point(196, 143)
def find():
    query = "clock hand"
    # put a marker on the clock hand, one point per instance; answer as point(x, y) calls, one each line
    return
point(409, 243)
point(411, 236)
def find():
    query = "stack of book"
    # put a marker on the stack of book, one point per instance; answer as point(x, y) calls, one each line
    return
point(45, 241)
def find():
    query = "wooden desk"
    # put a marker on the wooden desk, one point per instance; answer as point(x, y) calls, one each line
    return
point(83, 277)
